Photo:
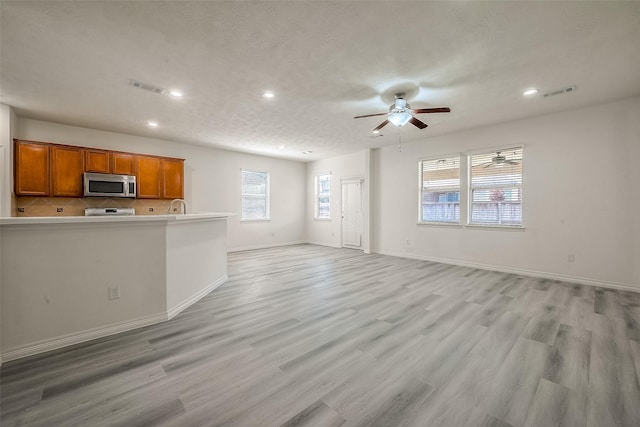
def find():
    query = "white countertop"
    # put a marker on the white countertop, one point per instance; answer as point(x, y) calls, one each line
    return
point(23, 220)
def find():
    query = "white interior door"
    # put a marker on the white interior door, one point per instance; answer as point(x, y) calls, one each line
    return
point(352, 214)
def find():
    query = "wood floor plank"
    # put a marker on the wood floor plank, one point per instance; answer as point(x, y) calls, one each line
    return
point(462, 400)
point(568, 362)
point(614, 391)
point(635, 354)
point(517, 381)
point(556, 406)
point(316, 415)
point(306, 335)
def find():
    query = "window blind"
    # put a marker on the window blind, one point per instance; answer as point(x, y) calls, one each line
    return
point(440, 190)
point(496, 187)
point(323, 196)
point(255, 195)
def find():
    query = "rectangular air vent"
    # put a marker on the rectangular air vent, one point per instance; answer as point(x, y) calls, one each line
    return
point(147, 87)
point(564, 90)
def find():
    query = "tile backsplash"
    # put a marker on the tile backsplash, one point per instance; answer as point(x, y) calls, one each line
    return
point(73, 206)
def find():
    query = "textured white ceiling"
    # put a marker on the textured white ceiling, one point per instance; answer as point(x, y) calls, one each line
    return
point(70, 62)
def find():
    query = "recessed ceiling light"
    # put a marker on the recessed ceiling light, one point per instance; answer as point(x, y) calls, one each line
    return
point(376, 131)
point(281, 147)
point(268, 94)
point(530, 92)
point(307, 152)
point(152, 124)
point(175, 93)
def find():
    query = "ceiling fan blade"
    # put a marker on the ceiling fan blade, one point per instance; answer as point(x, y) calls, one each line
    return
point(418, 123)
point(432, 110)
point(381, 125)
point(371, 115)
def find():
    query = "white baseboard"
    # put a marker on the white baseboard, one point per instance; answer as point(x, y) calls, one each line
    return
point(173, 311)
point(523, 272)
point(265, 246)
point(79, 337)
point(329, 244)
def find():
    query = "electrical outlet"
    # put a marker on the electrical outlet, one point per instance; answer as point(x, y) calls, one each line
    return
point(571, 258)
point(114, 293)
point(408, 242)
point(59, 209)
point(150, 209)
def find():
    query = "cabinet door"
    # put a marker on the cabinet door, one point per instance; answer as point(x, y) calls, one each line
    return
point(96, 161)
point(67, 166)
point(122, 163)
point(172, 179)
point(148, 175)
point(31, 169)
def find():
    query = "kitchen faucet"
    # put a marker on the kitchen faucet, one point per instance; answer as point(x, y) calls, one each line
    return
point(184, 205)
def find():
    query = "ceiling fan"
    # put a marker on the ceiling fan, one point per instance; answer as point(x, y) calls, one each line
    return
point(500, 160)
point(400, 113)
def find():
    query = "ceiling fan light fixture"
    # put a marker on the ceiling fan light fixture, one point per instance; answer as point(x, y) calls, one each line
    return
point(400, 118)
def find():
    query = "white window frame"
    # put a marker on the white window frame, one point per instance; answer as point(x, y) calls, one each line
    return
point(317, 191)
point(457, 157)
point(266, 196)
point(471, 188)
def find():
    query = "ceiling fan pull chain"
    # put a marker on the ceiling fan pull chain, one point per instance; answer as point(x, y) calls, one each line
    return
point(400, 143)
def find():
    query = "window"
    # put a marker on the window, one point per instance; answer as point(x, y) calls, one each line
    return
point(255, 196)
point(323, 196)
point(440, 190)
point(495, 186)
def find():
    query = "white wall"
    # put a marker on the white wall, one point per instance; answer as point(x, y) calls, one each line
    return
point(212, 179)
point(328, 232)
point(196, 261)
point(57, 273)
point(7, 128)
point(56, 277)
point(581, 197)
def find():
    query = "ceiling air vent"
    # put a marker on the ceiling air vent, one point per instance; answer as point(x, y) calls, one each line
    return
point(147, 87)
point(564, 90)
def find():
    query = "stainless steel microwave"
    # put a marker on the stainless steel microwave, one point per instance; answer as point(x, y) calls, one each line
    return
point(107, 185)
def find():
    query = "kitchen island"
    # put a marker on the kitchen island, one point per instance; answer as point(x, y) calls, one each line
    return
point(66, 280)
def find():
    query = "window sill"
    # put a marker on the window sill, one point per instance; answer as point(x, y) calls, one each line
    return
point(496, 227)
point(471, 226)
point(256, 220)
point(440, 224)
point(322, 219)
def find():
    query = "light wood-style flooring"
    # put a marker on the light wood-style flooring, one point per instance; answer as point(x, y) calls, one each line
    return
point(314, 336)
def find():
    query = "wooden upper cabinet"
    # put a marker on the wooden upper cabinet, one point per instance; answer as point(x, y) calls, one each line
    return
point(31, 169)
point(67, 167)
point(148, 176)
point(46, 169)
point(122, 163)
point(96, 161)
point(172, 179)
